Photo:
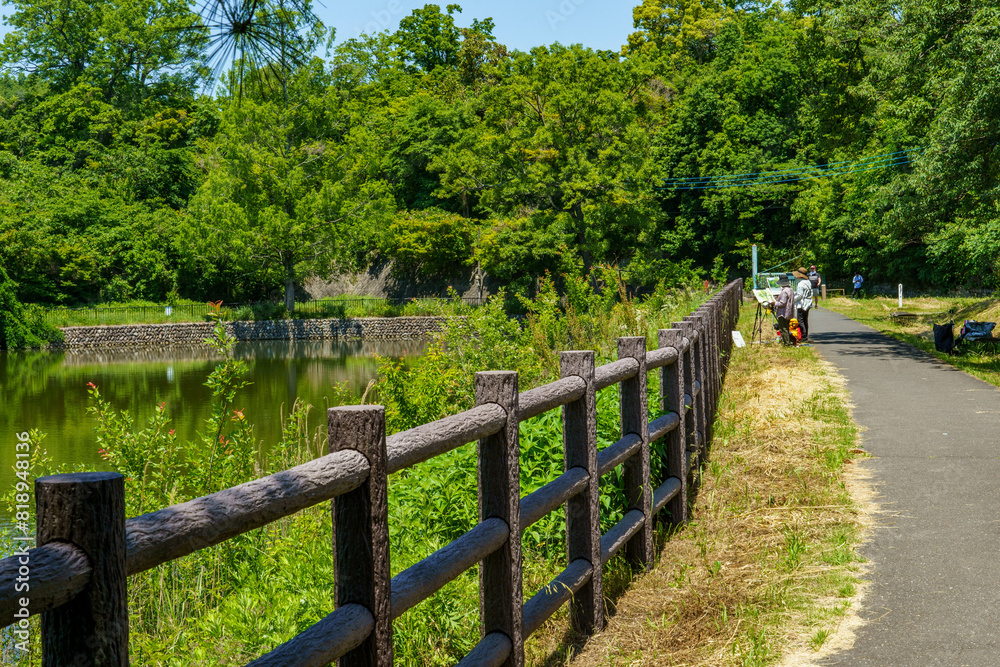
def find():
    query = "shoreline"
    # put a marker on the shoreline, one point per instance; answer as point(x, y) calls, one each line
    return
point(188, 333)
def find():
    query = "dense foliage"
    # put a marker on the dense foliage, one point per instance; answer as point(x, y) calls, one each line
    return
point(121, 179)
point(21, 325)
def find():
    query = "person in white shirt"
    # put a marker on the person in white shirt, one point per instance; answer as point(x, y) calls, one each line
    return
point(803, 301)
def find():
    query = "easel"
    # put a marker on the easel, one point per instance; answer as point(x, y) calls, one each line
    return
point(761, 319)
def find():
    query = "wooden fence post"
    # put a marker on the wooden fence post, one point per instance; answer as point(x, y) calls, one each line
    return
point(695, 323)
point(583, 513)
point(712, 367)
point(635, 419)
point(672, 394)
point(361, 531)
point(501, 596)
point(87, 509)
point(690, 409)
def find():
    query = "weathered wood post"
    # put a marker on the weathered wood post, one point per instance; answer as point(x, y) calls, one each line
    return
point(690, 405)
point(672, 395)
point(501, 596)
point(732, 312)
point(361, 531)
point(635, 419)
point(696, 328)
point(712, 369)
point(704, 311)
point(86, 509)
point(583, 514)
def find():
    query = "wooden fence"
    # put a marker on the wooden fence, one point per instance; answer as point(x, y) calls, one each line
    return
point(87, 548)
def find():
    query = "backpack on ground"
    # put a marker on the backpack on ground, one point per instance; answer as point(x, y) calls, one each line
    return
point(944, 337)
point(973, 330)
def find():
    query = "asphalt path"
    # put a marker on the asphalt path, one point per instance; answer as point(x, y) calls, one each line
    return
point(932, 432)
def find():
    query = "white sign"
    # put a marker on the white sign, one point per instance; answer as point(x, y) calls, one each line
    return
point(738, 339)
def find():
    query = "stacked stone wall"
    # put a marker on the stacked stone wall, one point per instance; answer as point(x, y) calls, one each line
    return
point(357, 328)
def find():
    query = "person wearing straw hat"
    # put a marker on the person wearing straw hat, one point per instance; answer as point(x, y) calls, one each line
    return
point(803, 300)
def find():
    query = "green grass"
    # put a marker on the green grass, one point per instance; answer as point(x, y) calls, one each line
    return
point(149, 312)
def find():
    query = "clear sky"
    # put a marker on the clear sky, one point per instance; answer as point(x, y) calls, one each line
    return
point(520, 24)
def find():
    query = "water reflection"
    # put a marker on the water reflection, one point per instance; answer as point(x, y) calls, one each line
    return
point(48, 390)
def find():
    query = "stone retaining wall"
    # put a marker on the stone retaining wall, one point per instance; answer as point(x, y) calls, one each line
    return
point(363, 328)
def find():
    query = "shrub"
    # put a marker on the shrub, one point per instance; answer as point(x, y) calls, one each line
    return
point(21, 326)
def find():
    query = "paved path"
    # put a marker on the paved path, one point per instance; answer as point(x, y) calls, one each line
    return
point(935, 553)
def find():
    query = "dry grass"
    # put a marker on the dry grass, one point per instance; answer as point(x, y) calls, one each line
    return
point(768, 566)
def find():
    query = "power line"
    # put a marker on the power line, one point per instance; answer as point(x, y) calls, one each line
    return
point(826, 165)
point(885, 160)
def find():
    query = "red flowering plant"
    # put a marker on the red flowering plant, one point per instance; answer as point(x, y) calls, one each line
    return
point(161, 470)
point(137, 453)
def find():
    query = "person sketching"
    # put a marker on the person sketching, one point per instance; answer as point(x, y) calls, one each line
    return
point(784, 309)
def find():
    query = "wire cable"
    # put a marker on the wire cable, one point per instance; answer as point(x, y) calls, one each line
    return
point(883, 161)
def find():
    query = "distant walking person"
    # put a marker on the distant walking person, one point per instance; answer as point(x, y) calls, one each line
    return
point(803, 301)
point(815, 281)
point(858, 282)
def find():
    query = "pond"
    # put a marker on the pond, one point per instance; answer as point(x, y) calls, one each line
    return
point(48, 390)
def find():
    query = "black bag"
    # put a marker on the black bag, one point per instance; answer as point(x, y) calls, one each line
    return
point(944, 337)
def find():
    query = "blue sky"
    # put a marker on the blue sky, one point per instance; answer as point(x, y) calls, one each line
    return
point(520, 24)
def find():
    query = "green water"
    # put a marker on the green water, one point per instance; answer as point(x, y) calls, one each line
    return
point(48, 390)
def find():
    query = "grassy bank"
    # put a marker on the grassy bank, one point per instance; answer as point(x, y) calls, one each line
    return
point(150, 312)
point(767, 567)
point(978, 360)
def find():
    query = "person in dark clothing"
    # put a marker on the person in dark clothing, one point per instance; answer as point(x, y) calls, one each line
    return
point(815, 281)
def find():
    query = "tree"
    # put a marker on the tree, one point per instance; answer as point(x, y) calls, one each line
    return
point(563, 130)
point(129, 49)
point(681, 31)
point(286, 186)
point(21, 326)
point(428, 39)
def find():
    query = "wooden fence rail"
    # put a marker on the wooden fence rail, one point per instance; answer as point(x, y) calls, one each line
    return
point(87, 548)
